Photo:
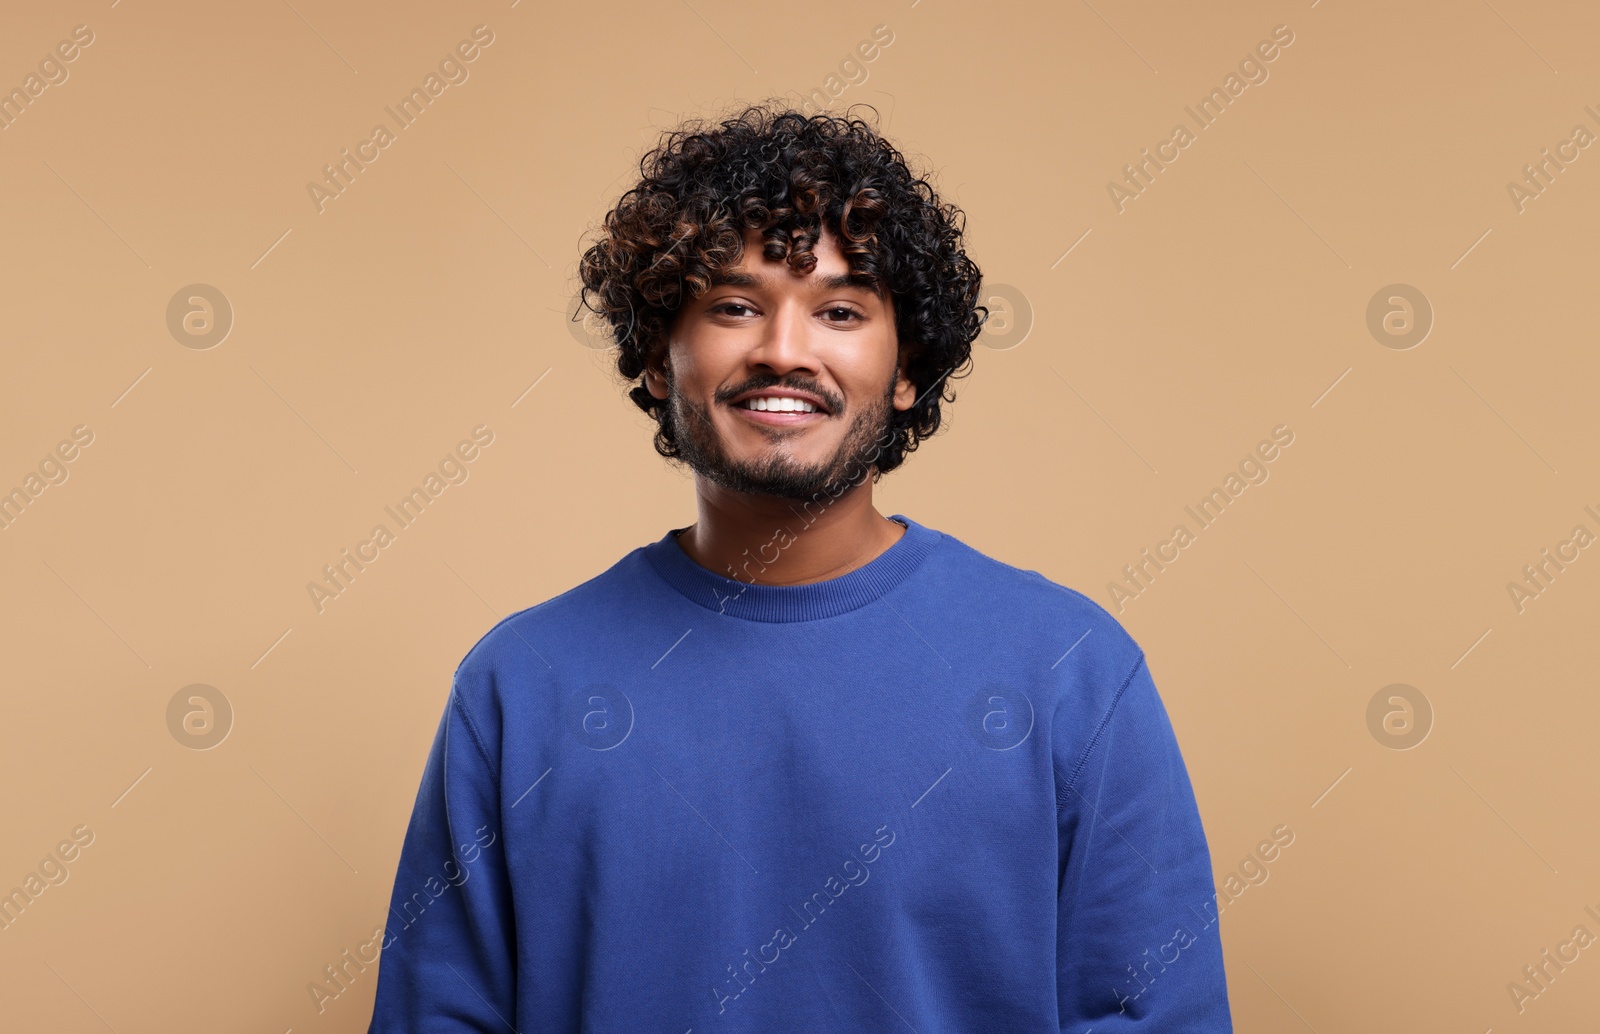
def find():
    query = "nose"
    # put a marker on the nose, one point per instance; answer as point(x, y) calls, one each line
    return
point(784, 342)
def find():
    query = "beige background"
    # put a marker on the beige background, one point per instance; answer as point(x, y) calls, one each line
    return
point(1166, 340)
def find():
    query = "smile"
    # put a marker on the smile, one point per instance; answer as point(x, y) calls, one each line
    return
point(778, 410)
point(778, 404)
point(778, 417)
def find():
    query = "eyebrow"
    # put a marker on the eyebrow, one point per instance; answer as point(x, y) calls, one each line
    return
point(833, 282)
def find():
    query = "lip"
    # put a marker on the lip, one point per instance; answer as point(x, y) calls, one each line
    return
point(782, 393)
point(771, 418)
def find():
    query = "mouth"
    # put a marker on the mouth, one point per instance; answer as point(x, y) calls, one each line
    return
point(785, 409)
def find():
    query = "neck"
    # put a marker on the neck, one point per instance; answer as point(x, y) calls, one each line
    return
point(773, 541)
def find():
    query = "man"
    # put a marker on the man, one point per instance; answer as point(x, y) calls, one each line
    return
point(799, 767)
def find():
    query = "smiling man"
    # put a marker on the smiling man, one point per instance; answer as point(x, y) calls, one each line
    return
point(748, 410)
point(799, 766)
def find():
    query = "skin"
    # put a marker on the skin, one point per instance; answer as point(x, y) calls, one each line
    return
point(752, 480)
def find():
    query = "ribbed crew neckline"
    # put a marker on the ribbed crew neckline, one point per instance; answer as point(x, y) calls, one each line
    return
point(780, 603)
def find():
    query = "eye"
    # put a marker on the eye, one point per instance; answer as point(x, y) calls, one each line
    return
point(723, 307)
point(848, 312)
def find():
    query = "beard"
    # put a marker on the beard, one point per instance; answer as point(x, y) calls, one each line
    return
point(777, 473)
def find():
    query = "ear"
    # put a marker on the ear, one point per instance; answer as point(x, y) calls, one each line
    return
point(656, 377)
point(905, 393)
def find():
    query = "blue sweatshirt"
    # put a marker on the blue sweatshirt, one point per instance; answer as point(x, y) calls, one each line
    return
point(937, 794)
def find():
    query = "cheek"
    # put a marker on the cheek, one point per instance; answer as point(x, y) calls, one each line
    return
point(687, 369)
point(865, 369)
point(708, 362)
point(887, 381)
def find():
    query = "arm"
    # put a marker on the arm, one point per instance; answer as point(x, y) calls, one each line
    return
point(449, 950)
point(1137, 942)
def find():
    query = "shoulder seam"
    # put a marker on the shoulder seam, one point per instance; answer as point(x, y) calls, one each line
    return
point(1040, 577)
point(1069, 590)
point(472, 731)
point(1061, 798)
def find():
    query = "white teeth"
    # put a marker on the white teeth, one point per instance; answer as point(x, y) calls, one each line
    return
point(773, 404)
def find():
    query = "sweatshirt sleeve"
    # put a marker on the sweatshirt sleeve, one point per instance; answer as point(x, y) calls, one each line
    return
point(1138, 946)
point(448, 962)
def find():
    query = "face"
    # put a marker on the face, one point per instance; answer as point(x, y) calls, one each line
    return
point(763, 330)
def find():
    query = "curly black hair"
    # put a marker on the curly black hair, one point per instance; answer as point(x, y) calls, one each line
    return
point(783, 173)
